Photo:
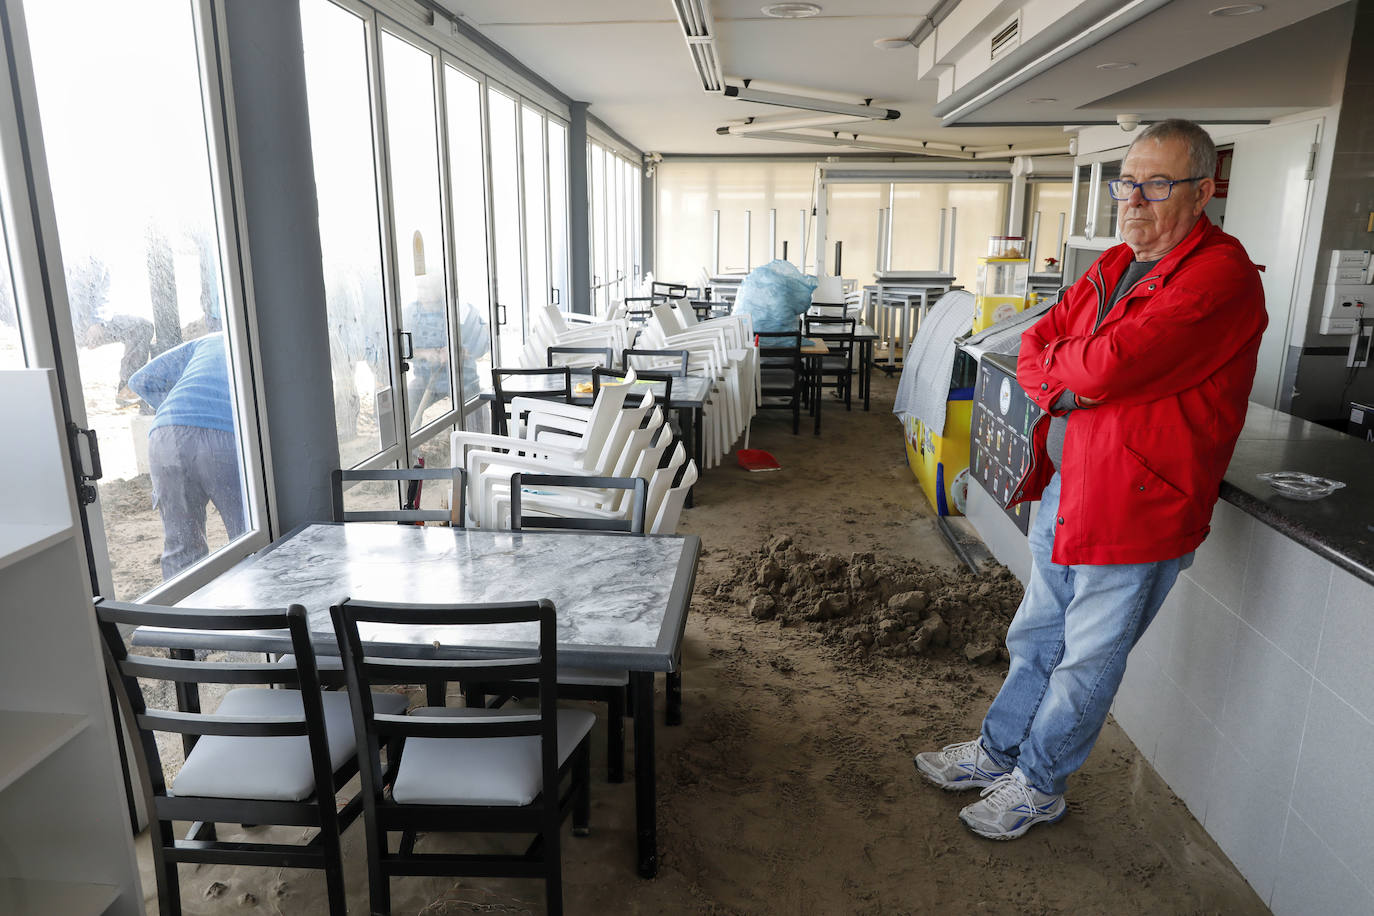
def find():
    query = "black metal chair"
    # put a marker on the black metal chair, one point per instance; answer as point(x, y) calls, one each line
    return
point(472, 770)
point(838, 364)
point(647, 376)
point(664, 290)
point(554, 384)
point(781, 374)
point(411, 513)
point(264, 757)
point(591, 356)
point(657, 360)
point(703, 308)
point(609, 687)
point(639, 308)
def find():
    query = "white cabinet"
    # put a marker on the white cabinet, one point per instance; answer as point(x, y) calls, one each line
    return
point(65, 843)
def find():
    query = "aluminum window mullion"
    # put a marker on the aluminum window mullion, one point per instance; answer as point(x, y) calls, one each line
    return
point(518, 115)
point(386, 217)
point(450, 259)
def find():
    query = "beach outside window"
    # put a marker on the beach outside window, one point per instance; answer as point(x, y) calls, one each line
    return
point(468, 209)
point(417, 222)
point(505, 197)
point(350, 231)
point(558, 214)
point(11, 340)
point(129, 166)
point(536, 222)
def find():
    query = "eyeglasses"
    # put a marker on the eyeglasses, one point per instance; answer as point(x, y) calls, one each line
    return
point(1154, 189)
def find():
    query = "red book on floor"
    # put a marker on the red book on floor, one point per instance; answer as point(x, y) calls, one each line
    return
point(756, 459)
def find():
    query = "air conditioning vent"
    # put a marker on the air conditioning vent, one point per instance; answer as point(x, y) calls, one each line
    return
point(1007, 38)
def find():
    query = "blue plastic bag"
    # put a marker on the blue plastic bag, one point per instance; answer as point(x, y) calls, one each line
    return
point(775, 294)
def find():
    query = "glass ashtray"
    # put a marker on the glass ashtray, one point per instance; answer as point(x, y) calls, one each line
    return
point(1297, 485)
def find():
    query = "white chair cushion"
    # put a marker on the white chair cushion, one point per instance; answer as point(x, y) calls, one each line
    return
point(480, 771)
point(271, 768)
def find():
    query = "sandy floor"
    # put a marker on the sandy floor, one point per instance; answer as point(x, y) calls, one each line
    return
point(789, 788)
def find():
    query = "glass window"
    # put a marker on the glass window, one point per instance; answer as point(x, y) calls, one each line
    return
point(536, 225)
point(558, 214)
point(336, 75)
point(129, 165)
point(417, 212)
point(1104, 222)
point(689, 192)
point(1082, 187)
point(505, 198)
point(1050, 201)
point(11, 340)
point(467, 186)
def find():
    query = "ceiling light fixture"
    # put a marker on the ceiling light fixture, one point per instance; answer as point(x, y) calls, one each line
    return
point(808, 103)
point(893, 44)
point(1238, 9)
point(1117, 65)
point(699, 30)
point(791, 10)
point(1039, 101)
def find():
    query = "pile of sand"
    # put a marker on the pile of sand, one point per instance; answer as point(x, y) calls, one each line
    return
point(863, 606)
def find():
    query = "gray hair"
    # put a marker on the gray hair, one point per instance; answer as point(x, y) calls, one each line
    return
point(1202, 152)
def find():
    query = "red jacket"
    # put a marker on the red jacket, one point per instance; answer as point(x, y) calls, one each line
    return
point(1172, 364)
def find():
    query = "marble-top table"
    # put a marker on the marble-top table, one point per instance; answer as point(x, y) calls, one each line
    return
point(621, 602)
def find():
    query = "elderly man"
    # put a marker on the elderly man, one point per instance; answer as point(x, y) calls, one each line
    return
point(1144, 368)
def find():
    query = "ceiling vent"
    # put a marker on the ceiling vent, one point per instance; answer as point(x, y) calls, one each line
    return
point(1006, 39)
point(699, 29)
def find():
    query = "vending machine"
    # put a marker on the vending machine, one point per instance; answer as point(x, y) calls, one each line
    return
point(1003, 277)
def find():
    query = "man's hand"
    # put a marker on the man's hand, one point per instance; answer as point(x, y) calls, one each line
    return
point(1086, 402)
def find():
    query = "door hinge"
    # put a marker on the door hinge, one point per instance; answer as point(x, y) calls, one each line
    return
point(1311, 162)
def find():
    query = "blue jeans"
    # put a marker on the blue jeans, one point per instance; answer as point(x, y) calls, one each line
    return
point(1068, 644)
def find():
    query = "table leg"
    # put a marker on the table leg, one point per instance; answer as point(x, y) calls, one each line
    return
point(646, 815)
point(865, 369)
point(672, 709)
point(816, 392)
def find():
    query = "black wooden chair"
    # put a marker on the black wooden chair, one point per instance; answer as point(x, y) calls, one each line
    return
point(410, 513)
point(264, 757)
point(655, 360)
point(609, 687)
point(550, 384)
point(639, 308)
point(838, 364)
point(781, 374)
point(465, 769)
point(665, 290)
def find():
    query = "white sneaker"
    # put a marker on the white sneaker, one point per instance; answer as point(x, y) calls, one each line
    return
point(1011, 806)
point(960, 766)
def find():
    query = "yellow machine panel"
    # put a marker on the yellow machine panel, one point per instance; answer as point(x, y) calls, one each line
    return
point(940, 462)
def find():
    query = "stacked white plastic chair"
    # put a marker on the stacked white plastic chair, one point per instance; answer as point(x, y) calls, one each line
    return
point(551, 328)
point(723, 350)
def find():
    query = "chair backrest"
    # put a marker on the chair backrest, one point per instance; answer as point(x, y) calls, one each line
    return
point(779, 344)
point(520, 520)
point(550, 384)
point(114, 618)
point(580, 356)
point(655, 360)
point(666, 378)
point(668, 320)
point(377, 663)
point(670, 507)
point(638, 308)
point(838, 333)
point(667, 290)
point(454, 515)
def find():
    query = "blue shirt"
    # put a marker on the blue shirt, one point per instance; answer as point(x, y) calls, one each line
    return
point(188, 385)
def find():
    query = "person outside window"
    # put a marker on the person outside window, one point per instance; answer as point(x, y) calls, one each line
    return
point(192, 450)
point(1145, 368)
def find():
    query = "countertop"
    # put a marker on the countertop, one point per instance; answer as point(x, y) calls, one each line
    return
point(1339, 527)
